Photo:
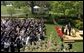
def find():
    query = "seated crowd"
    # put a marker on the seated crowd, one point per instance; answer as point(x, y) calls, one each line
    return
point(18, 32)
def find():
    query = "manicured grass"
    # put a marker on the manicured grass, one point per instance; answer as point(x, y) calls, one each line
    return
point(4, 10)
point(50, 29)
point(77, 46)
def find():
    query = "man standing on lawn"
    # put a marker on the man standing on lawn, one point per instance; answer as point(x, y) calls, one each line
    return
point(69, 28)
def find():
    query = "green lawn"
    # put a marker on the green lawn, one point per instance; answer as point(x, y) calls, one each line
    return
point(51, 29)
point(4, 10)
point(77, 46)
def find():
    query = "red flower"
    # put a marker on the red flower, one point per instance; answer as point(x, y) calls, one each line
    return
point(59, 31)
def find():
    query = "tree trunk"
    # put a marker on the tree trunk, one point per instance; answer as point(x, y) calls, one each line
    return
point(32, 5)
point(11, 16)
point(79, 16)
point(3, 2)
point(54, 21)
point(26, 15)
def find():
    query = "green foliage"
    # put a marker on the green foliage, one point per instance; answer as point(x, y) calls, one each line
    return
point(66, 8)
point(26, 10)
point(11, 10)
point(58, 8)
point(4, 9)
point(78, 24)
point(19, 4)
point(78, 5)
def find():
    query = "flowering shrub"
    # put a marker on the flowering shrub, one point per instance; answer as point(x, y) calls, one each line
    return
point(59, 31)
point(44, 47)
point(78, 24)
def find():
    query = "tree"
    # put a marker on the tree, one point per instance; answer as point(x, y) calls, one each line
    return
point(55, 9)
point(11, 10)
point(66, 8)
point(25, 6)
point(19, 4)
point(44, 8)
point(78, 5)
point(26, 11)
point(31, 4)
point(3, 2)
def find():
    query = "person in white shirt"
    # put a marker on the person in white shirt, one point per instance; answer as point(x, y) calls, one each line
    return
point(6, 46)
point(66, 29)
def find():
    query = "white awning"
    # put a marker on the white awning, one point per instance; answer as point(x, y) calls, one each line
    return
point(36, 7)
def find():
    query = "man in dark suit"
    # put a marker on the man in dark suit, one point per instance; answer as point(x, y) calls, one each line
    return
point(70, 46)
point(69, 28)
point(12, 47)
